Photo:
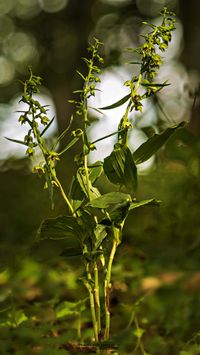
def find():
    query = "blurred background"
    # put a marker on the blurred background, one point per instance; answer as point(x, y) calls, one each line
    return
point(161, 249)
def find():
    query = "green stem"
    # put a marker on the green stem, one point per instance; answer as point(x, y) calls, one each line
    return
point(107, 283)
point(96, 295)
point(92, 303)
point(63, 194)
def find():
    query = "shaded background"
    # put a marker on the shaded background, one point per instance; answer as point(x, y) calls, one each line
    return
point(161, 246)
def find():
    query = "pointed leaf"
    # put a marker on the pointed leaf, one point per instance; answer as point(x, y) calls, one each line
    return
point(69, 145)
point(153, 144)
point(116, 104)
point(47, 126)
point(149, 202)
point(109, 199)
point(16, 141)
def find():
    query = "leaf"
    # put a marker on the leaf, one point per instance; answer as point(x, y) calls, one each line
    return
point(100, 233)
point(61, 136)
point(81, 178)
point(116, 104)
point(120, 167)
point(66, 308)
point(149, 202)
point(59, 228)
point(76, 192)
point(16, 141)
point(119, 213)
point(95, 170)
point(47, 126)
point(69, 145)
point(109, 199)
point(153, 144)
point(151, 84)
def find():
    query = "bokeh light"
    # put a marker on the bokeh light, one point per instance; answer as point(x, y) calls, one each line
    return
point(53, 5)
point(27, 9)
point(116, 2)
point(7, 71)
point(154, 6)
point(6, 6)
point(21, 48)
point(6, 27)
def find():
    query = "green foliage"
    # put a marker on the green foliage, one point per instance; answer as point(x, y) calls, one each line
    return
point(93, 228)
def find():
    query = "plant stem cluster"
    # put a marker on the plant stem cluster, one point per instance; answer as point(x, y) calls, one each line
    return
point(96, 220)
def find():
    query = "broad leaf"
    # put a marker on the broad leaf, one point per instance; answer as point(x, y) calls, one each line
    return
point(109, 199)
point(59, 228)
point(150, 202)
point(153, 144)
point(117, 104)
point(120, 167)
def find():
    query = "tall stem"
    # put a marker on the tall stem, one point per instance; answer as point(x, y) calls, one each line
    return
point(92, 303)
point(107, 283)
point(96, 295)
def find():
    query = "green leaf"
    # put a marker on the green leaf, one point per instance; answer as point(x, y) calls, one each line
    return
point(66, 308)
point(109, 199)
point(120, 167)
point(118, 214)
point(76, 192)
point(16, 141)
point(59, 228)
point(69, 145)
point(116, 104)
point(62, 135)
point(47, 126)
point(153, 144)
point(100, 233)
point(149, 202)
point(81, 178)
point(95, 170)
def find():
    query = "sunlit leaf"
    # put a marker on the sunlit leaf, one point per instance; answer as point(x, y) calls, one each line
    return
point(69, 145)
point(116, 104)
point(16, 141)
point(82, 180)
point(109, 199)
point(153, 144)
point(47, 126)
point(150, 202)
point(120, 168)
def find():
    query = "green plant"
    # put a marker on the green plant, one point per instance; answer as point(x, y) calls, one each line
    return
point(95, 221)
